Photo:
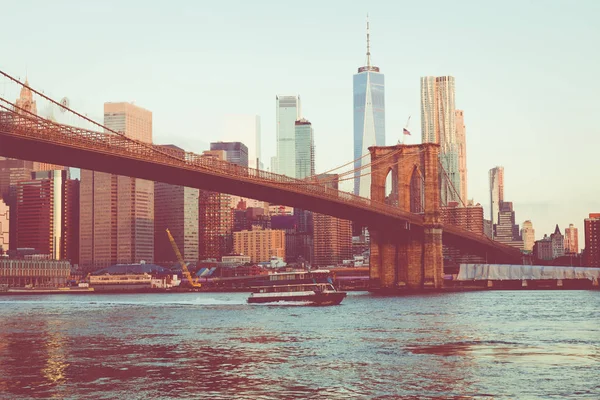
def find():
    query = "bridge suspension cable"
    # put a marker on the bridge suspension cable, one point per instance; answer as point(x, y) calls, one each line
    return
point(448, 180)
point(121, 134)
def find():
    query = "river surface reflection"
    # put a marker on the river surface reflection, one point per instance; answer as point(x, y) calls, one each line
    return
point(503, 344)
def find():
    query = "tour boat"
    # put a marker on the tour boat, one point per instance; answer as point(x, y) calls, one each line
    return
point(308, 287)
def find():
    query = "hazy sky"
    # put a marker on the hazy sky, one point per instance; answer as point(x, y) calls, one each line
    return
point(526, 76)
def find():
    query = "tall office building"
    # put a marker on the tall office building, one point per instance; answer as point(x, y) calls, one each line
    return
point(438, 125)
point(245, 129)
point(571, 240)
point(215, 220)
point(176, 209)
point(117, 212)
point(304, 149)
point(496, 192)
point(4, 227)
point(332, 237)
point(25, 104)
point(369, 119)
point(215, 225)
point(235, 152)
point(461, 140)
point(288, 112)
point(592, 240)
point(13, 170)
point(46, 216)
point(528, 235)
point(506, 231)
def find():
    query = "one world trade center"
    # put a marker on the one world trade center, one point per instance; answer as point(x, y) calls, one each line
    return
point(369, 120)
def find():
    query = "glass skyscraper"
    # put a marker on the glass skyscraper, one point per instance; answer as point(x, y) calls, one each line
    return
point(369, 119)
point(288, 112)
point(305, 149)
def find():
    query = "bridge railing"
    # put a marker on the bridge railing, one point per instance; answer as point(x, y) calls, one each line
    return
point(43, 129)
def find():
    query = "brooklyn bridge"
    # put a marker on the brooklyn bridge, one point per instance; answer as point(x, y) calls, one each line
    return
point(407, 235)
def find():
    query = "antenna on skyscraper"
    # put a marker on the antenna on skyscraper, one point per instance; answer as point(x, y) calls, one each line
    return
point(368, 45)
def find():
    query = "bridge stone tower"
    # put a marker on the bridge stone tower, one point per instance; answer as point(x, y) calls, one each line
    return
point(407, 257)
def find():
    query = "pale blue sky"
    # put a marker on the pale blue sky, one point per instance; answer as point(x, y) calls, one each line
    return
point(526, 77)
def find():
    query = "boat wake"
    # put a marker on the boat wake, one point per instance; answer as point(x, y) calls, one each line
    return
point(284, 303)
point(216, 302)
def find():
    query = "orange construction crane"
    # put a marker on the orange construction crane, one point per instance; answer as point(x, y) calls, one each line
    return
point(184, 268)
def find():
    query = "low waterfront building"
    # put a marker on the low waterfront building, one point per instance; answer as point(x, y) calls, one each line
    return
point(236, 259)
point(34, 272)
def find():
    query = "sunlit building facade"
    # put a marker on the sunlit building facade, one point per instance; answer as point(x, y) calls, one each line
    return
point(528, 235)
point(438, 125)
point(4, 227)
point(571, 240)
point(260, 244)
point(496, 175)
point(461, 140)
point(117, 212)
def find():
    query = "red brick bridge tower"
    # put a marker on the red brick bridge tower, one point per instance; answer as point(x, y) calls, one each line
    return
point(407, 257)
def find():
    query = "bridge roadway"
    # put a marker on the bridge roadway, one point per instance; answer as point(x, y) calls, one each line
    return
point(37, 139)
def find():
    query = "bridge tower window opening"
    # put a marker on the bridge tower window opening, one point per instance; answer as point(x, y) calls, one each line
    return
point(417, 191)
point(391, 187)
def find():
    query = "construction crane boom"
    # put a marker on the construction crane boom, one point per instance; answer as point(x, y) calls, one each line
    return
point(184, 268)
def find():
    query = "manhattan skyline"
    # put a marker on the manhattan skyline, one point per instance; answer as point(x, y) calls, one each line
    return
point(526, 92)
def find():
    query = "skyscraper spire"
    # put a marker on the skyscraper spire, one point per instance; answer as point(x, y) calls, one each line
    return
point(368, 45)
point(368, 67)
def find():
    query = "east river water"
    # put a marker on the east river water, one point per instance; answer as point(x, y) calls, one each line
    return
point(496, 344)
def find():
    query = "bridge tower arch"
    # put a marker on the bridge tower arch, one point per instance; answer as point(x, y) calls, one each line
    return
point(403, 256)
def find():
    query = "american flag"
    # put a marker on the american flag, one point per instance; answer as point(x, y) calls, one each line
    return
point(405, 131)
